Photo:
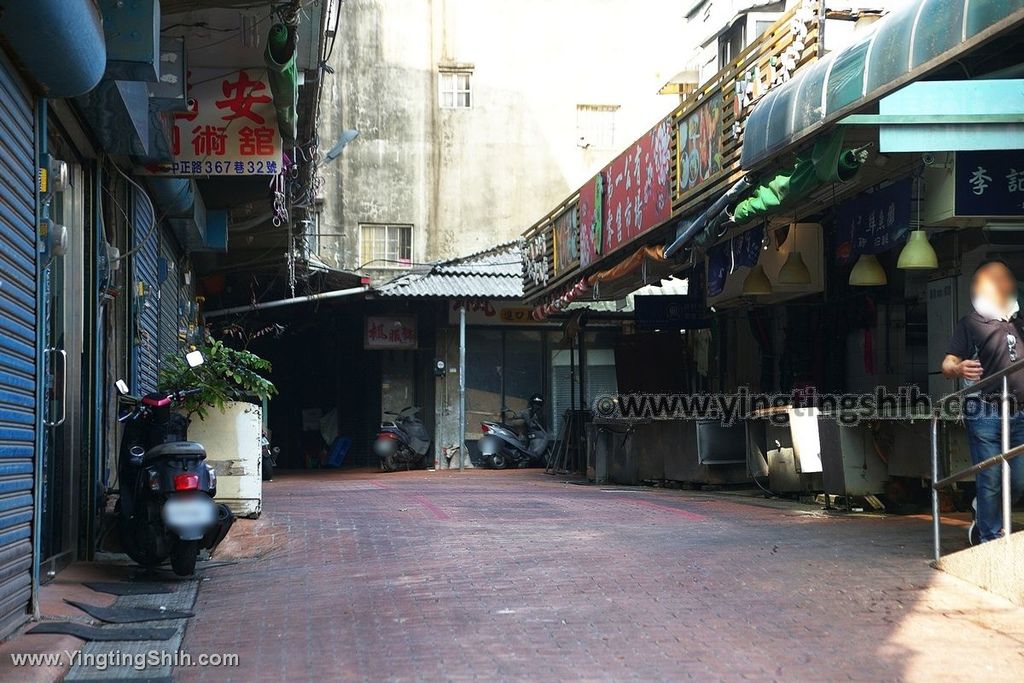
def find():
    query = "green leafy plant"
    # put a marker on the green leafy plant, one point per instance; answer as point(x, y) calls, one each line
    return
point(226, 374)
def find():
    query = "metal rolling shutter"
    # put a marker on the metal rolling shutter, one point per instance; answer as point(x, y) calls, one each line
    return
point(146, 289)
point(17, 346)
point(170, 286)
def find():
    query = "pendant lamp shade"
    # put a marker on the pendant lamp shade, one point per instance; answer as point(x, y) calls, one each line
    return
point(868, 272)
point(794, 271)
point(757, 282)
point(918, 253)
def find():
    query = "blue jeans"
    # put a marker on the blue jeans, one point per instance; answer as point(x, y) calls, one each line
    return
point(984, 434)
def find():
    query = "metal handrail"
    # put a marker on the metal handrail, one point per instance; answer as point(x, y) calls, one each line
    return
point(1003, 458)
point(981, 383)
point(1014, 452)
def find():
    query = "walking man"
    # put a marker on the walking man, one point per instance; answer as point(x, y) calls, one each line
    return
point(985, 341)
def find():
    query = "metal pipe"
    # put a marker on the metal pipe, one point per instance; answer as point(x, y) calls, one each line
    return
point(1005, 417)
point(462, 387)
point(336, 294)
point(936, 526)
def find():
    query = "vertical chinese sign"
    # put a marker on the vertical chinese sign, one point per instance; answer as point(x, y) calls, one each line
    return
point(699, 150)
point(630, 196)
point(229, 129)
point(567, 240)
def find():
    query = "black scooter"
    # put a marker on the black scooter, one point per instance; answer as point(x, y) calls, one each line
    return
point(403, 442)
point(503, 446)
point(165, 508)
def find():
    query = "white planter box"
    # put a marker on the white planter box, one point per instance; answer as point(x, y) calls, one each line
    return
point(233, 447)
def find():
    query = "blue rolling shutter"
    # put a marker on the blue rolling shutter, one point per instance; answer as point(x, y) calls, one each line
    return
point(170, 286)
point(17, 345)
point(146, 294)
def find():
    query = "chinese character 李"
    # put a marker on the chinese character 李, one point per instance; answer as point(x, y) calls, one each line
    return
point(979, 180)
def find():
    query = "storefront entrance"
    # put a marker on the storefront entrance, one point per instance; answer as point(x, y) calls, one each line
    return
point(62, 467)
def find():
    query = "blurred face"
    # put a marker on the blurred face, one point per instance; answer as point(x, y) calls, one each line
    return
point(995, 284)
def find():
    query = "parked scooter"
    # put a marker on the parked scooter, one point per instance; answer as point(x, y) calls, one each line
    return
point(403, 442)
point(270, 454)
point(502, 446)
point(166, 508)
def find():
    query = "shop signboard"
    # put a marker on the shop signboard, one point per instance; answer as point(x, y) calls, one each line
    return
point(390, 332)
point(990, 183)
point(670, 312)
point(699, 144)
point(230, 128)
point(631, 195)
point(873, 222)
point(487, 312)
point(567, 240)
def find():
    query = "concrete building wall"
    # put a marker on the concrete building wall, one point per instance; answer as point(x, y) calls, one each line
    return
point(469, 178)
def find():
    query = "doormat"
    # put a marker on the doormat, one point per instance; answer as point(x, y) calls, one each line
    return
point(98, 633)
point(129, 588)
point(128, 615)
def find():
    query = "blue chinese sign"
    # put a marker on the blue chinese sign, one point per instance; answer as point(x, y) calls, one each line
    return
point(742, 251)
point(990, 183)
point(873, 222)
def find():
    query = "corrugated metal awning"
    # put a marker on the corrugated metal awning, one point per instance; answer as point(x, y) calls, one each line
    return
point(904, 46)
point(496, 273)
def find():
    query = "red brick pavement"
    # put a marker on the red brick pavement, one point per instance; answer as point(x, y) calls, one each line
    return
point(515, 575)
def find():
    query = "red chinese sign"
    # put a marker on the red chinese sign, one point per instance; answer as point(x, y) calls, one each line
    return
point(390, 332)
point(629, 197)
point(229, 129)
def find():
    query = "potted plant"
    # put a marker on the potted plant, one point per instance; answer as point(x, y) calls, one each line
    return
point(226, 416)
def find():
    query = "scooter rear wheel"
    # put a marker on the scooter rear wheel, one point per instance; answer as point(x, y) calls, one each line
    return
point(184, 556)
point(499, 461)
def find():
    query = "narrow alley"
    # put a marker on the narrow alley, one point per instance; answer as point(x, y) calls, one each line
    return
point(516, 575)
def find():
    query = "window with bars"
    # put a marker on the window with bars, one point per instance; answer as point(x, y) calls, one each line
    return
point(456, 89)
point(385, 246)
point(595, 125)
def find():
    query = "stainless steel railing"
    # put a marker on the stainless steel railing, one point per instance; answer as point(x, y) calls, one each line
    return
point(1003, 458)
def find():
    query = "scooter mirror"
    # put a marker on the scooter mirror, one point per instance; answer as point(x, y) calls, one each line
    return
point(122, 387)
point(194, 359)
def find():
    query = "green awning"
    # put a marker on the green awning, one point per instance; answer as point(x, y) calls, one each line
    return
point(912, 38)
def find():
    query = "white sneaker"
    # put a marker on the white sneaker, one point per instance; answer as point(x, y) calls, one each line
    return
point(973, 535)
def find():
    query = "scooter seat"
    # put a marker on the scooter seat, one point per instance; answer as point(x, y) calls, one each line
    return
point(177, 449)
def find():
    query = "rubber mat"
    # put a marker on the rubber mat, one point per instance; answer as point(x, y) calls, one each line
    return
point(129, 588)
point(98, 633)
point(128, 615)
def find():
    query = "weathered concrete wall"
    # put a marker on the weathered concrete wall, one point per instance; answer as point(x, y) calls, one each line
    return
point(467, 179)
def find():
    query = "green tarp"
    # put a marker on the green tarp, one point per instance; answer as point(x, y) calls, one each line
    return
point(826, 162)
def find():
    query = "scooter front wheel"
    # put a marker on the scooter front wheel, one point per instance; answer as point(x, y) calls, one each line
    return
point(184, 556)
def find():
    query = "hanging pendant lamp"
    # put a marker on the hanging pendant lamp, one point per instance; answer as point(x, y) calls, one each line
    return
point(918, 253)
point(757, 282)
point(868, 272)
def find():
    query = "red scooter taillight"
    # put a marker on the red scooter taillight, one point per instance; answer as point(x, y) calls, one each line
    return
point(388, 435)
point(186, 481)
point(484, 428)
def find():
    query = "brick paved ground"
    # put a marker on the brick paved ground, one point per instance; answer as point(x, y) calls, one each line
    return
point(515, 575)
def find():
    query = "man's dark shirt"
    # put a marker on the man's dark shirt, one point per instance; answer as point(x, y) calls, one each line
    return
point(986, 341)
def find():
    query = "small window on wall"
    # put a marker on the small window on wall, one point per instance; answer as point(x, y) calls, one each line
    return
point(385, 246)
point(595, 125)
point(456, 89)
